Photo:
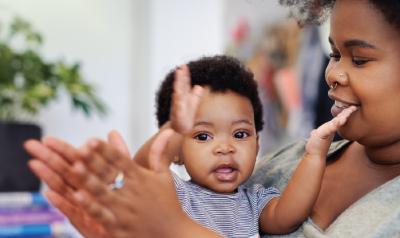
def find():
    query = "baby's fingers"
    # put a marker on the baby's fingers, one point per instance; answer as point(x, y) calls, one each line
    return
point(197, 93)
point(328, 129)
point(182, 80)
point(344, 115)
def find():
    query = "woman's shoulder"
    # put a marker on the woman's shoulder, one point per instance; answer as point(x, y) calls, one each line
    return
point(275, 169)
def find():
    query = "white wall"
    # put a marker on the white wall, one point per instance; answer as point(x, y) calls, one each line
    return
point(181, 31)
point(97, 33)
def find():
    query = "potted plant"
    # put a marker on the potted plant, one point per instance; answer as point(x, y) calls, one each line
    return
point(28, 83)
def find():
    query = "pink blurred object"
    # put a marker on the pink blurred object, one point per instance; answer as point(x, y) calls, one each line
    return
point(240, 31)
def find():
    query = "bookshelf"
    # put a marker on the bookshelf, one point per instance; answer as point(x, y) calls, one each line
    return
point(29, 215)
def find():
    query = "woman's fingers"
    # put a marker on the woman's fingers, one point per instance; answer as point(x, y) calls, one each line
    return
point(119, 161)
point(92, 184)
point(59, 171)
point(52, 179)
point(53, 160)
point(65, 150)
point(87, 226)
point(116, 140)
point(97, 164)
point(95, 209)
point(66, 207)
point(95, 197)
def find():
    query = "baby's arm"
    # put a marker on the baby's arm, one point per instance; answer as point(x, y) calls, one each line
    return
point(285, 213)
point(185, 101)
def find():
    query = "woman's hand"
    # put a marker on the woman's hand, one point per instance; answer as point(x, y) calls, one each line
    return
point(57, 173)
point(53, 164)
point(145, 206)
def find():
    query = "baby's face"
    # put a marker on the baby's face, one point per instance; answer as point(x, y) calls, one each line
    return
point(220, 152)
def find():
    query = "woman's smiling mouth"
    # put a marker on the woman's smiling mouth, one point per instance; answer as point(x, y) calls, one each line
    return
point(339, 106)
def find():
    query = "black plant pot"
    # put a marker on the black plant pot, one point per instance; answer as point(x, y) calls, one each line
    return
point(15, 174)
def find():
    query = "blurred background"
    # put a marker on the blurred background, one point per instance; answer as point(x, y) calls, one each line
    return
point(110, 56)
point(126, 47)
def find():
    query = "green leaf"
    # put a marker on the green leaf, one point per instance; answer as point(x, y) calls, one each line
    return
point(29, 83)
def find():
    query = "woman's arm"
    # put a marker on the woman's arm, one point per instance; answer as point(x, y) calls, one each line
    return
point(285, 213)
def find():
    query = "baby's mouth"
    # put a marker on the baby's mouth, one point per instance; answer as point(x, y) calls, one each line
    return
point(225, 173)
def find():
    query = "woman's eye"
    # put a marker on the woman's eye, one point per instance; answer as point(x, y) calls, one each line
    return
point(202, 137)
point(334, 56)
point(241, 135)
point(359, 62)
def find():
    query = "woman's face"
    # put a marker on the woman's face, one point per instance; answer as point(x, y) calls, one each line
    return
point(365, 64)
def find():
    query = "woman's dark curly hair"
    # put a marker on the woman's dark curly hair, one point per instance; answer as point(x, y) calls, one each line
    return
point(316, 11)
point(220, 74)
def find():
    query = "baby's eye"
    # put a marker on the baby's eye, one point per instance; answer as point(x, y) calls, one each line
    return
point(202, 137)
point(241, 135)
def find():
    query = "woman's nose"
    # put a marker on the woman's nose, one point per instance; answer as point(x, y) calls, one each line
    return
point(336, 77)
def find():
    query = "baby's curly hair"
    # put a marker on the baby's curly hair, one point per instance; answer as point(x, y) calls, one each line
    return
point(316, 11)
point(220, 74)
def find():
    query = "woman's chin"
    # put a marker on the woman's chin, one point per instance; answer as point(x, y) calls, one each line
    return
point(349, 132)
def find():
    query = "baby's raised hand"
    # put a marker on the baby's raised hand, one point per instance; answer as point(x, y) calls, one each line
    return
point(185, 101)
point(321, 138)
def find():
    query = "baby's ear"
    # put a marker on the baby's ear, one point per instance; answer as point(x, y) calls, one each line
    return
point(177, 160)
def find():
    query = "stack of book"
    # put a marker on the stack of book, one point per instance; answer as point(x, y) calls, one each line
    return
point(25, 214)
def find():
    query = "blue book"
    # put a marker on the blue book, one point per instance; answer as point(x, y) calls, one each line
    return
point(34, 230)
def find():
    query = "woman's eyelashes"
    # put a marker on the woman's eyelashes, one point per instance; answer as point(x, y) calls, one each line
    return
point(356, 60)
point(334, 56)
point(359, 61)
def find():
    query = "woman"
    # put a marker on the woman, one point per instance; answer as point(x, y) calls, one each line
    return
point(360, 191)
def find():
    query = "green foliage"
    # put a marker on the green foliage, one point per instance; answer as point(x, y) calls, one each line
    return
point(28, 82)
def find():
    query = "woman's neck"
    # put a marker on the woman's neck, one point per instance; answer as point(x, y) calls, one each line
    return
point(382, 158)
